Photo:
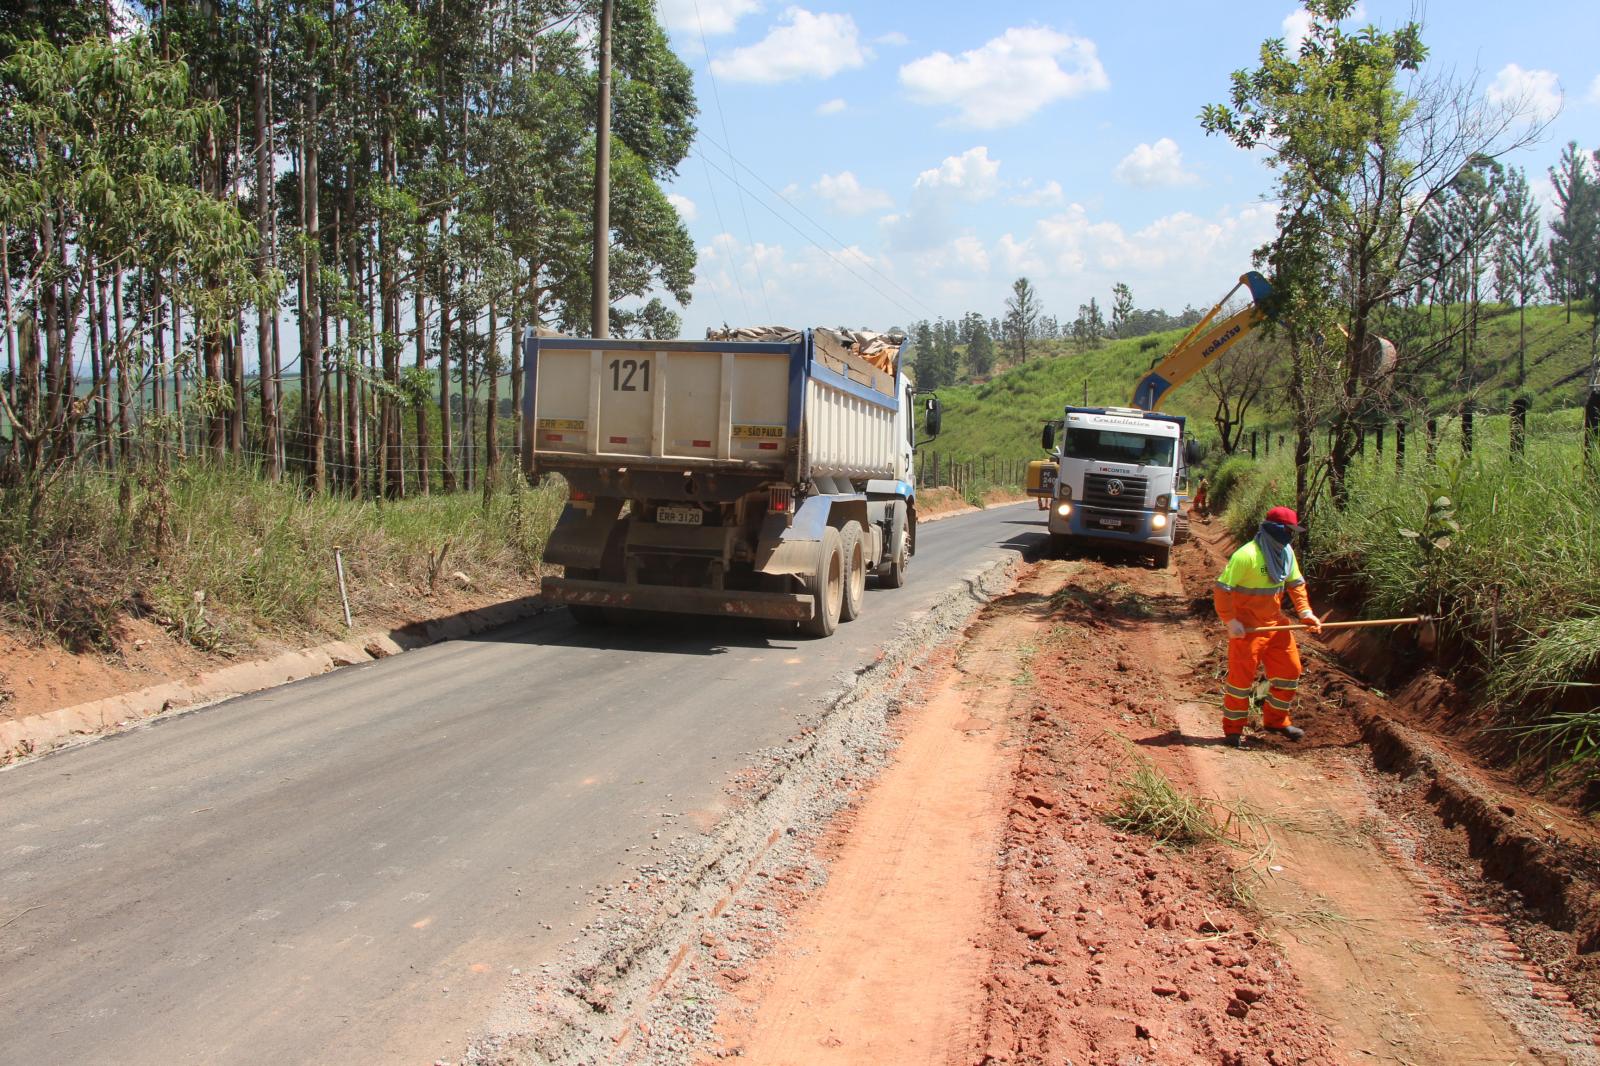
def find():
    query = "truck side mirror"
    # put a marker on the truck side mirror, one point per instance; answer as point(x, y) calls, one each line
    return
point(1193, 452)
point(935, 416)
point(1047, 440)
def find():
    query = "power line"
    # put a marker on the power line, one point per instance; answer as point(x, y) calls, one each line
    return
point(797, 209)
point(775, 213)
point(722, 116)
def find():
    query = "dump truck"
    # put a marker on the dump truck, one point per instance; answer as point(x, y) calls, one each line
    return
point(762, 473)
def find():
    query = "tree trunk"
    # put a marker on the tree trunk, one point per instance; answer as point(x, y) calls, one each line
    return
point(491, 421)
point(446, 466)
point(267, 218)
point(99, 391)
point(421, 314)
point(311, 397)
point(394, 485)
point(124, 385)
point(177, 373)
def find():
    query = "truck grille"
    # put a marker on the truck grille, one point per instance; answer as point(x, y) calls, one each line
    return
point(1097, 492)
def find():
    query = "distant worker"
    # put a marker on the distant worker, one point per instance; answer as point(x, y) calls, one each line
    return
point(1201, 501)
point(1248, 596)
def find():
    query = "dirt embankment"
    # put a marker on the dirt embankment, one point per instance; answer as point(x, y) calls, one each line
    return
point(49, 694)
point(980, 909)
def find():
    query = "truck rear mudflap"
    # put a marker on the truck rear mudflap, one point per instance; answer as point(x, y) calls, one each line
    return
point(782, 606)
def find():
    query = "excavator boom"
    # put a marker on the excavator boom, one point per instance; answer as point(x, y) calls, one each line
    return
point(1205, 343)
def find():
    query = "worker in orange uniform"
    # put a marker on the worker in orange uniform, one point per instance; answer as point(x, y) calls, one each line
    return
point(1248, 596)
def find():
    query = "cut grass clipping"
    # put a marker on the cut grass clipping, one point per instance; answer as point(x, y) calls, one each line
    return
point(1148, 803)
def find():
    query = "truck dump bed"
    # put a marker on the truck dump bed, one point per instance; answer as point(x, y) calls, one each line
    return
point(776, 407)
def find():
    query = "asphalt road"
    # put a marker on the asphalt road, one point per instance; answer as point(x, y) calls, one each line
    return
point(346, 869)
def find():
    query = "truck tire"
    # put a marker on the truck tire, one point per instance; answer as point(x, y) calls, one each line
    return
point(892, 574)
point(1162, 557)
point(853, 544)
point(826, 587)
point(1060, 547)
point(585, 614)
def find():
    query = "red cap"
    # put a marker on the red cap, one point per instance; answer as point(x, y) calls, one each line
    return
point(1285, 516)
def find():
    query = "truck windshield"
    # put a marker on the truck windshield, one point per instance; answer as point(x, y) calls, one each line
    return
point(1109, 446)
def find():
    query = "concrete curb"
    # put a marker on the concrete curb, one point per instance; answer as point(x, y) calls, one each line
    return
point(42, 733)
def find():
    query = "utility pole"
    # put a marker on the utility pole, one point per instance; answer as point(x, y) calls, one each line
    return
point(602, 183)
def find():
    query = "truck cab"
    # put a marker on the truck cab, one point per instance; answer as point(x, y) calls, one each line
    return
point(1120, 471)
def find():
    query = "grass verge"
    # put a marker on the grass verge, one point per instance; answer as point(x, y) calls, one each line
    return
point(217, 555)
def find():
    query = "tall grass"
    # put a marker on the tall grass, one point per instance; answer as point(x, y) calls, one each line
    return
point(1504, 549)
point(218, 554)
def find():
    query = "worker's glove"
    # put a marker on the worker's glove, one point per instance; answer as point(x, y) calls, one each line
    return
point(1312, 622)
point(1235, 629)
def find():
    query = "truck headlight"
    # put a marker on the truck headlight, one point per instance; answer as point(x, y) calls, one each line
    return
point(1063, 509)
point(1158, 521)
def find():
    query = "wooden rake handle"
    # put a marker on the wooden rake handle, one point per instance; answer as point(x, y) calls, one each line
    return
point(1417, 620)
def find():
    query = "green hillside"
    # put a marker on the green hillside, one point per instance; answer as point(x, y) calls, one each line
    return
point(1003, 416)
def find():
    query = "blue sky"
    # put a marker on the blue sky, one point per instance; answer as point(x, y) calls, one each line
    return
point(901, 160)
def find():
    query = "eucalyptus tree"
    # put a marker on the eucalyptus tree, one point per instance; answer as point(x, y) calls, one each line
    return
point(1520, 257)
point(100, 142)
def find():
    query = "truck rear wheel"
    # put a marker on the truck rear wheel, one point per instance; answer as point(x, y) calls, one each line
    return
point(826, 587)
point(1162, 557)
point(855, 578)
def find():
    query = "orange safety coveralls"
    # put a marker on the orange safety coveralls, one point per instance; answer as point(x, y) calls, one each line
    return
point(1246, 592)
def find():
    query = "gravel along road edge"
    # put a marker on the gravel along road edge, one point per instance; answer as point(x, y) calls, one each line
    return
point(602, 1000)
point(1302, 925)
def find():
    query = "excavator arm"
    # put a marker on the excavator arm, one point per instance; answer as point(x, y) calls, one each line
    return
point(1205, 343)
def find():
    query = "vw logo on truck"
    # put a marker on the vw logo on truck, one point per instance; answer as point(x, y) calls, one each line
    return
point(1113, 487)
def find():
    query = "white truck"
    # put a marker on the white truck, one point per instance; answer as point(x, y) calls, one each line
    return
point(1118, 474)
point(761, 474)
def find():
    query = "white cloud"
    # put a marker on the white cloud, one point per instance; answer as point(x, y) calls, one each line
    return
point(1594, 90)
point(712, 17)
point(892, 39)
point(1047, 195)
point(972, 174)
point(1009, 78)
point(848, 196)
point(803, 45)
point(1154, 164)
point(1537, 90)
point(936, 199)
point(831, 107)
point(1073, 252)
point(1297, 26)
point(686, 207)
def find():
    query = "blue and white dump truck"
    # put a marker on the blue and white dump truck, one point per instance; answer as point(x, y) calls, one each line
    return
point(761, 473)
point(1118, 473)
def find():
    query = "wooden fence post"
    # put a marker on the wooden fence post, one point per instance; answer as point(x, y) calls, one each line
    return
point(1591, 427)
point(1519, 425)
point(1252, 445)
point(1400, 446)
point(1433, 436)
point(1466, 428)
